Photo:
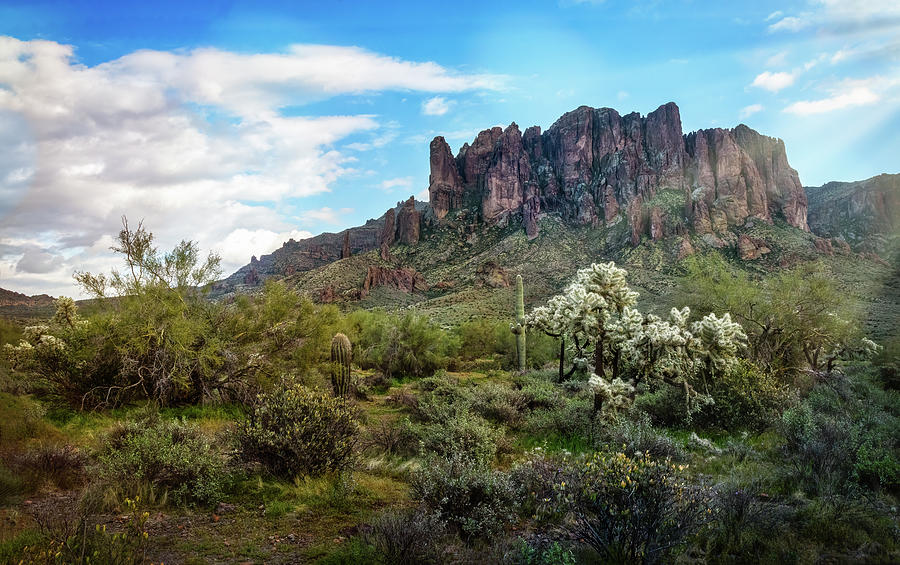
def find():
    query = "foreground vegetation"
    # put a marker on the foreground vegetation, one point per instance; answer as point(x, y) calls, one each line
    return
point(153, 425)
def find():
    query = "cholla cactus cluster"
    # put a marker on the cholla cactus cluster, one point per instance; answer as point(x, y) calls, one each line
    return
point(597, 310)
point(39, 339)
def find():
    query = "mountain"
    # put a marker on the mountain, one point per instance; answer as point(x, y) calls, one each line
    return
point(864, 214)
point(11, 298)
point(595, 166)
point(595, 186)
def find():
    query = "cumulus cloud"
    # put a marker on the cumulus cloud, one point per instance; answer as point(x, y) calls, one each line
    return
point(839, 16)
point(325, 215)
point(437, 106)
point(193, 142)
point(791, 23)
point(773, 82)
point(858, 96)
point(748, 111)
point(400, 182)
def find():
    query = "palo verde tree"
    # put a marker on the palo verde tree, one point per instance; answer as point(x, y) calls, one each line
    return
point(796, 320)
point(168, 337)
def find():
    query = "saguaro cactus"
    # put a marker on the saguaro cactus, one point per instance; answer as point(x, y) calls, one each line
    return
point(340, 365)
point(519, 327)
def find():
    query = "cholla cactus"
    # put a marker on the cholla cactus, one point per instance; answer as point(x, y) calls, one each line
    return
point(66, 312)
point(341, 353)
point(718, 340)
point(610, 396)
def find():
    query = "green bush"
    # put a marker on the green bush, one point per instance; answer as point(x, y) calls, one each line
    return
point(293, 430)
point(744, 398)
point(635, 437)
point(171, 455)
point(844, 434)
point(466, 493)
point(634, 510)
point(399, 346)
point(461, 433)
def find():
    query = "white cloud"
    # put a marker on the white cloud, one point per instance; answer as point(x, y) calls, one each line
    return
point(774, 15)
point(190, 141)
point(437, 106)
point(423, 195)
point(400, 182)
point(858, 96)
point(777, 60)
point(773, 82)
point(791, 23)
point(325, 215)
point(622, 95)
point(748, 111)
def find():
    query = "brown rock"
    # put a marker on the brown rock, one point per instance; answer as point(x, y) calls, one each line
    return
point(492, 275)
point(474, 160)
point(408, 222)
point(685, 248)
point(506, 177)
point(345, 251)
point(445, 188)
point(327, 295)
point(636, 220)
point(823, 246)
point(751, 248)
point(405, 279)
point(251, 278)
point(656, 223)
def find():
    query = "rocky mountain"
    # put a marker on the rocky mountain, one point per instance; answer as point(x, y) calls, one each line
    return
point(11, 298)
point(595, 166)
point(632, 188)
point(864, 214)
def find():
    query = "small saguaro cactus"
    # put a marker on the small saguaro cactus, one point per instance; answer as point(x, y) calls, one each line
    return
point(519, 327)
point(340, 365)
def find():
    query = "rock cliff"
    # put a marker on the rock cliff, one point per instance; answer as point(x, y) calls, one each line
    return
point(593, 164)
point(864, 214)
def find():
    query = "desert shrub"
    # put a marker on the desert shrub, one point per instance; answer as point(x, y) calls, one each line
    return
point(293, 430)
point(539, 552)
point(405, 345)
point(843, 435)
point(634, 510)
point(744, 397)
point(499, 403)
point(388, 438)
point(570, 418)
point(664, 404)
point(170, 455)
point(538, 390)
point(461, 433)
point(638, 436)
point(466, 493)
point(67, 540)
point(406, 536)
point(62, 466)
point(537, 481)
point(282, 330)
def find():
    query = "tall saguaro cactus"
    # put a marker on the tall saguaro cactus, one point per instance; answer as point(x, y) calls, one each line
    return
point(340, 365)
point(519, 327)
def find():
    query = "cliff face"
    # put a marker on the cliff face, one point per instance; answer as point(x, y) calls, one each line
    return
point(593, 164)
point(863, 213)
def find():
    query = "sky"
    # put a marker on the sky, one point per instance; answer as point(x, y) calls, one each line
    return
point(239, 125)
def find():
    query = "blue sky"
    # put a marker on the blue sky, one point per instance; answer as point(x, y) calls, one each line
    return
point(239, 124)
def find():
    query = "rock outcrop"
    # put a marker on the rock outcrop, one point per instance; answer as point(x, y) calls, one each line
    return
point(405, 279)
point(863, 214)
point(593, 164)
point(345, 251)
point(408, 223)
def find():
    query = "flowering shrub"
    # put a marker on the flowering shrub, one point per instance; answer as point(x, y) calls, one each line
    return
point(293, 430)
point(633, 510)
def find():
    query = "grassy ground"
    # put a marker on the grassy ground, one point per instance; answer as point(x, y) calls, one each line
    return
point(267, 520)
